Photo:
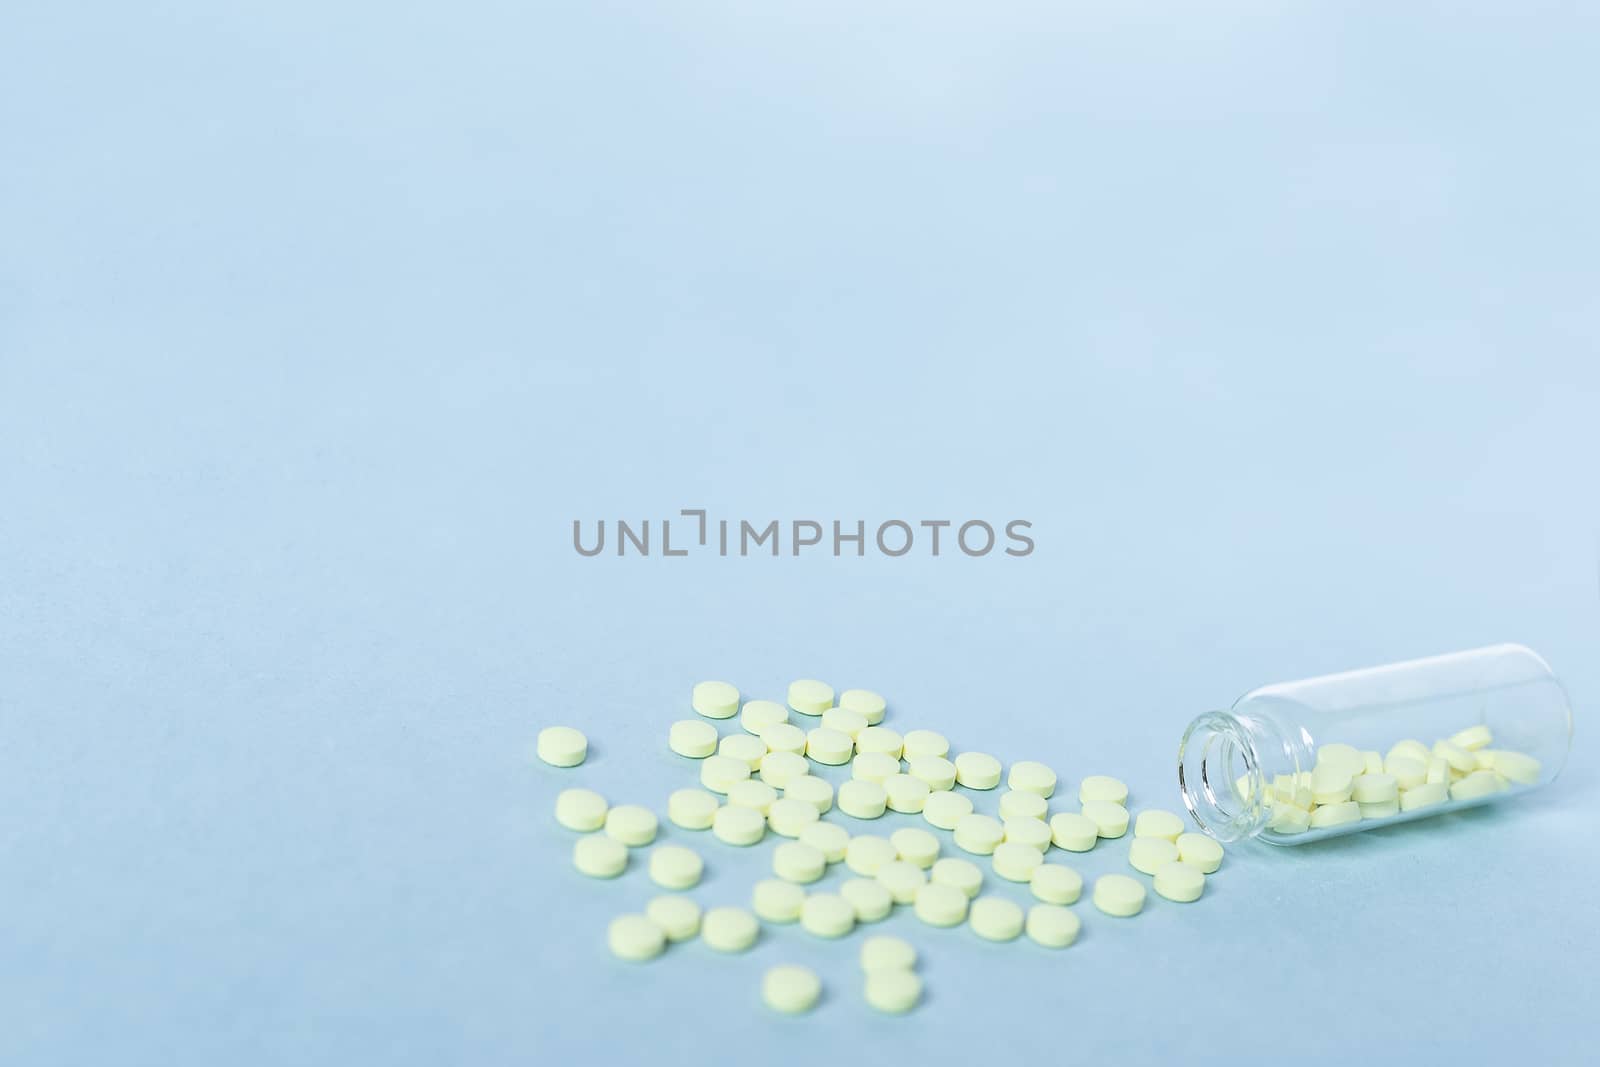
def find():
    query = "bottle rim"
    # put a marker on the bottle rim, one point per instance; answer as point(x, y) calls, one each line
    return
point(1220, 776)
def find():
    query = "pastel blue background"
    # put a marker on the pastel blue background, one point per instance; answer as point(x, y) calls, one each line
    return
point(319, 323)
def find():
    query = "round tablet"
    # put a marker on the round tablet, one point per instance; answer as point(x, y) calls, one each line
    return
point(945, 809)
point(869, 704)
point(1408, 773)
point(1332, 785)
point(940, 905)
point(1014, 862)
point(902, 880)
point(862, 799)
point(958, 874)
point(880, 952)
point(827, 838)
point(868, 897)
point(1156, 823)
point(1381, 810)
point(1148, 854)
point(880, 739)
point(562, 746)
point(788, 816)
point(829, 746)
point(1200, 851)
point(979, 834)
point(1409, 749)
point(1074, 832)
point(750, 750)
point(1335, 814)
point(892, 991)
point(1052, 926)
point(905, 793)
point(718, 772)
point(811, 789)
point(1180, 881)
point(1288, 819)
point(1055, 884)
point(1473, 738)
point(1034, 832)
point(738, 826)
point(790, 989)
point(580, 809)
point(729, 929)
point(1517, 766)
point(678, 917)
point(778, 769)
point(874, 767)
point(925, 743)
point(1342, 757)
point(631, 824)
point(845, 721)
point(810, 697)
point(866, 854)
point(760, 714)
point(1102, 787)
point(796, 861)
point(1118, 895)
point(1475, 785)
point(1029, 776)
point(635, 937)
point(1374, 789)
point(1423, 796)
point(827, 915)
point(777, 901)
point(694, 738)
point(996, 919)
point(675, 867)
point(753, 794)
point(599, 856)
point(938, 772)
point(915, 846)
point(977, 770)
point(1110, 820)
point(692, 809)
point(1020, 804)
point(783, 737)
point(715, 700)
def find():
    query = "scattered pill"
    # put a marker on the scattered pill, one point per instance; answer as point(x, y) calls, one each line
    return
point(1033, 832)
point(1020, 804)
point(738, 826)
point(893, 992)
point(1055, 884)
point(675, 867)
point(692, 809)
point(562, 746)
point(1477, 784)
point(1201, 851)
point(905, 793)
point(777, 901)
point(752, 793)
point(977, 770)
point(1517, 766)
point(789, 815)
point(1423, 796)
point(745, 748)
point(867, 896)
point(1473, 738)
point(1374, 789)
point(1110, 820)
point(778, 769)
point(862, 799)
point(810, 697)
point(829, 746)
point(874, 767)
point(915, 846)
point(784, 737)
point(635, 937)
point(979, 834)
point(880, 952)
point(827, 915)
point(1016, 862)
point(1180, 882)
point(1326, 815)
point(940, 905)
point(678, 917)
point(1148, 854)
point(599, 856)
point(1075, 832)
point(1408, 773)
point(866, 854)
point(715, 700)
point(925, 743)
point(729, 929)
point(760, 714)
point(1030, 776)
point(580, 809)
point(902, 880)
point(796, 861)
point(996, 919)
point(718, 772)
point(829, 839)
point(1154, 822)
point(631, 824)
point(791, 989)
point(1102, 787)
point(880, 739)
point(1332, 785)
point(1052, 925)
point(843, 720)
point(1118, 895)
point(945, 809)
point(938, 772)
point(694, 738)
point(817, 792)
point(869, 704)
point(958, 874)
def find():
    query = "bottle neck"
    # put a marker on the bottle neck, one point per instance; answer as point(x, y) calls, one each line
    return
point(1222, 775)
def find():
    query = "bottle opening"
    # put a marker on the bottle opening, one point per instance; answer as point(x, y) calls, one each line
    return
point(1220, 776)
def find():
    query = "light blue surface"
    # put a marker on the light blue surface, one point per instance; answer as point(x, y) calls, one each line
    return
point(320, 323)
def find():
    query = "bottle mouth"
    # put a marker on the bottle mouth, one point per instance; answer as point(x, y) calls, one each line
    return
point(1220, 777)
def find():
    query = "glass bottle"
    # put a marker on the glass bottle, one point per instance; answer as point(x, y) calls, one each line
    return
point(1485, 725)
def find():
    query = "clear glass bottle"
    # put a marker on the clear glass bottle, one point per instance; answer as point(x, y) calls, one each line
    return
point(1496, 718)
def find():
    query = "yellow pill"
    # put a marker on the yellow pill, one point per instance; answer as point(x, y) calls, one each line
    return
point(1289, 819)
point(777, 901)
point(1016, 862)
point(1331, 785)
point(631, 824)
point(1372, 762)
point(829, 746)
point(1473, 738)
point(715, 700)
point(1200, 851)
point(945, 809)
point(977, 770)
point(778, 769)
point(718, 772)
point(1407, 771)
point(1423, 796)
point(1019, 804)
point(1055, 884)
point(827, 838)
point(1339, 814)
point(1030, 776)
point(789, 815)
point(791, 989)
point(752, 794)
point(874, 767)
point(812, 790)
point(867, 854)
point(844, 721)
point(692, 809)
point(1180, 882)
point(905, 793)
point(1102, 787)
point(995, 919)
point(867, 896)
point(743, 747)
point(1118, 895)
point(958, 874)
point(1073, 831)
point(1459, 759)
point(880, 739)
point(925, 743)
point(635, 937)
point(1052, 926)
point(827, 915)
point(915, 846)
point(1381, 809)
point(580, 809)
point(902, 880)
point(864, 701)
point(893, 992)
point(694, 738)
point(599, 856)
point(938, 772)
point(784, 737)
point(738, 826)
point(678, 917)
point(1110, 820)
point(940, 905)
point(1439, 769)
point(729, 929)
point(796, 861)
point(1148, 854)
point(561, 746)
point(979, 834)
point(1342, 757)
point(1409, 749)
point(1032, 832)
point(1477, 784)
point(881, 952)
point(810, 697)
point(1154, 822)
point(862, 799)
point(1517, 766)
point(675, 867)
point(760, 714)
point(1375, 789)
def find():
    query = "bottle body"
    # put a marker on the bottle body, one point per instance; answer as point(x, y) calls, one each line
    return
point(1301, 761)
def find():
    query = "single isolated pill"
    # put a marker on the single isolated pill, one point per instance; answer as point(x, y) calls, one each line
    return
point(1200, 851)
point(1030, 776)
point(938, 772)
point(1055, 884)
point(827, 838)
point(1339, 814)
point(1473, 738)
point(718, 772)
point(867, 896)
point(1035, 832)
point(874, 767)
point(562, 746)
point(728, 929)
point(778, 769)
point(827, 915)
point(783, 737)
point(880, 952)
point(789, 815)
point(1517, 766)
point(1052, 925)
point(902, 880)
point(867, 854)
point(777, 901)
point(1118, 895)
point(906, 794)
point(631, 824)
point(675, 867)
point(580, 809)
point(945, 809)
point(1149, 854)
point(915, 846)
point(979, 834)
point(798, 862)
point(829, 746)
point(1423, 796)
point(760, 714)
point(635, 937)
point(599, 856)
point(940, 905)
point(694, 738)
point(1110, 820)
point(678, 917)
point(892, 991)
point(791, 989)
point(1075, 832)
point(1179, 881)
point(977, 770)
point(996, 919)
point(1154, 822)
point(958, 874)
point(1019, 804)
point(1016, 862)
point(1375, 789)
point(1102, 787)
point(811, 790)
point(810, 697)
point(753, 794)
point(864, 701)
point(862, 799)
point(751, 750)
point(715, 700)
point(692, 809)
point(844, 721)
point(738, 826)
point(880, 739)
point(925, 743)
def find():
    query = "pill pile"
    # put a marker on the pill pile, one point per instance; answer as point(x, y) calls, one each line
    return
point(1349, 784)
point(759, 783)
